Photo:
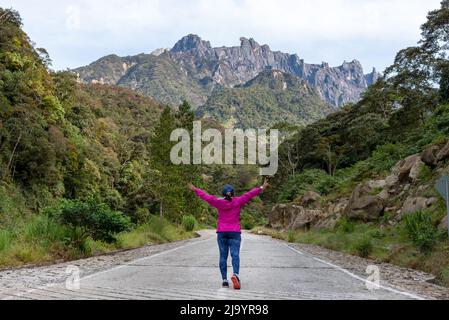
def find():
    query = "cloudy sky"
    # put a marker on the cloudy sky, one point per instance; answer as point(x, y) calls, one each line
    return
point(78, 32)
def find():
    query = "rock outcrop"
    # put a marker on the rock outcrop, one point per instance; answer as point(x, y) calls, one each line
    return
point(443, 154)
point(363, 205)
point(429, 155)
point(413, 204)
point(443, 224)
point(398, 195)
point(293, 217)
point(310, 199)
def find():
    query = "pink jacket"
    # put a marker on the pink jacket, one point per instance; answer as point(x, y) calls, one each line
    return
point(228, 211)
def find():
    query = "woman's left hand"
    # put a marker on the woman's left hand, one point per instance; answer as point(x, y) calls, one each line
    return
point(191, 186)
point(265, 184)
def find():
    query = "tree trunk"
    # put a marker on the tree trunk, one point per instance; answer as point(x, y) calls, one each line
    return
point(161, 211)
point(12, 156)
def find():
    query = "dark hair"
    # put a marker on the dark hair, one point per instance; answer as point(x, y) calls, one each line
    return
point(228, 196)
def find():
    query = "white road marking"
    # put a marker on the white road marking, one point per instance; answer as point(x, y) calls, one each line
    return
point(293, 249)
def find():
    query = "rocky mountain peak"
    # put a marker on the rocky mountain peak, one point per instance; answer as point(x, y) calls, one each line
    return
point(159, 51)
point(191, 42)
point(373, 77)
point(251, 43)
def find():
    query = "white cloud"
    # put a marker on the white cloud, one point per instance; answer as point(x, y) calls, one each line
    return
point(79, 31)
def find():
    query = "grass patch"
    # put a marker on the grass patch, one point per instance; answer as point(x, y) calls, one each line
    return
point(42, 240)
point(420, 230)
point(291, 236)
point(188, 222)
point(156, 230)
point(364, 247)
point(5, 240)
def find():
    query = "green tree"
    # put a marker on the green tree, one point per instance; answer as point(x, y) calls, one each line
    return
point(166, 181)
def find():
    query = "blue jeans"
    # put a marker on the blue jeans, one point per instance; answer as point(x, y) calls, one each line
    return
point(229, 241)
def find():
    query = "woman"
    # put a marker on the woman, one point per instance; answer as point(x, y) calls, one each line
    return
point(228, 226)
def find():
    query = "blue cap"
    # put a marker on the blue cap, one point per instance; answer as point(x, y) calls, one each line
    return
point(227, 188)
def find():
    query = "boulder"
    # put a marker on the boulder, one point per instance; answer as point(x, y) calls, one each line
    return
point(414, 171)
point(328, 223)
point(310, 199)
point(338, 209)
point(391, 181)
point(413, 204)
point(363, 206)
point(288, 216)
point(443, 153)
point(276, 216)
point(384, 194)
point(282, 215)
point(429, 155)
point(406, 170)
point(305, 219)
point(431, 201)
point(377, 184)
point(405, 167)
point(443, 224)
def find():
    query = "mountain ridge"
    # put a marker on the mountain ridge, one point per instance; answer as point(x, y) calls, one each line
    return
point(209, 67)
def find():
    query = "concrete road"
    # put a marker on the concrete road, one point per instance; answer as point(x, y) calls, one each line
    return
point(270, 269)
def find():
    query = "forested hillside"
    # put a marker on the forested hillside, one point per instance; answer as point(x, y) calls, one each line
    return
point(270, 98)
point(85, 168)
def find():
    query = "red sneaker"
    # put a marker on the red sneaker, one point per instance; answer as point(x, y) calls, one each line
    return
point(236, 282)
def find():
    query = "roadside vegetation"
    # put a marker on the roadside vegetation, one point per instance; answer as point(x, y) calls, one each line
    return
point(405, 113)
point(42, 240)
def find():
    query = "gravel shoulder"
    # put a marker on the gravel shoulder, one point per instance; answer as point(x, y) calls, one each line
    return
point(13, 281)
point(405, 279)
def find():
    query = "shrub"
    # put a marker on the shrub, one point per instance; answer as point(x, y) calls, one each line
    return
point(345, 225)
point(420, 230)
point(377, 234)
point(142, 215)
point(364, 247)
point(247, 221)
point(437, 126)
point(291, 236)
point(188, 222)
point(157, 224)
point(92, 219)
point(386, 156)
point(425, 174)
point(311, 179)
